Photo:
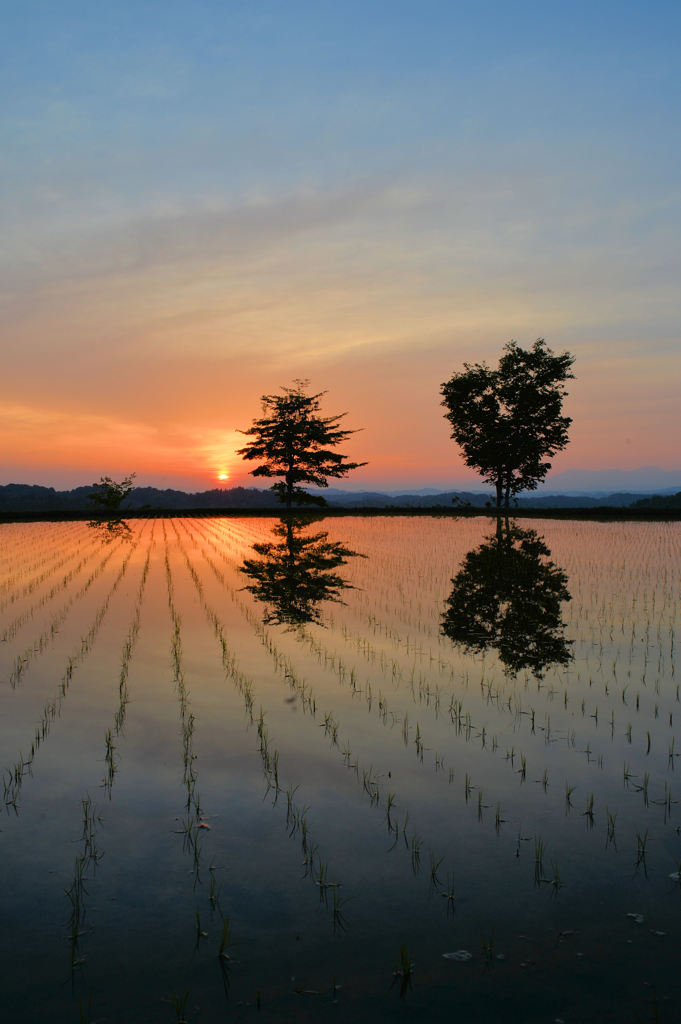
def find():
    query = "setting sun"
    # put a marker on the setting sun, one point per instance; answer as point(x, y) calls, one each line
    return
point(223, 476)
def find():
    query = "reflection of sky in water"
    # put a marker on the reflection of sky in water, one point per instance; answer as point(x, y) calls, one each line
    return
point(407, 768)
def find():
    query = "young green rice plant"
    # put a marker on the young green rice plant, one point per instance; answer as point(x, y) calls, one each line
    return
point(434, 866)
point(555, 879)
point(448, 893)
point(641, 844)
point(200, 933)
point(84, 1012)
point(589, 812)
point(404, 971)
point(180, 1006)
point(569, 790)
point(539, 851)
point(226, 940)
point(611, 819)
point(418, 742)
point(337, 904)
point(214, 891)
point(290, 806)
point(488, 946)
point(416, 844)
point(111, 764)
point(390, 803)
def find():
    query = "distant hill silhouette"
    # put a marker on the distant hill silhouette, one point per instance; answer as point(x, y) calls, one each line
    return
point(659, 501)
point(34, 498)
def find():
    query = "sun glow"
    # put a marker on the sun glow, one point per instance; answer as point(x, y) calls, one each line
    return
point(223, 476)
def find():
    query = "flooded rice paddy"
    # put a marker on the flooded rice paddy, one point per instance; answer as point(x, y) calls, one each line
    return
point(364, 769)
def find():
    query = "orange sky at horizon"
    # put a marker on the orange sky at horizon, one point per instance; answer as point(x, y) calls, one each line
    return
point(408, 446)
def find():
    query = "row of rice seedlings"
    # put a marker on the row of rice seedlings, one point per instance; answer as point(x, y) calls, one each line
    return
point(87, 857)
point(297, 822)
point(10, 631)
point(22, 552)
point(41, 644)
point(555, 881)
point(22, 590)
point(13, 777)
point(110, 757)
point(193, 822)
point(193, 825)
point(90, 853)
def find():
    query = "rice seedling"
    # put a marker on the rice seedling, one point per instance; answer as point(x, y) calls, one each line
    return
point(434, 867)
point(555, 878)
point(589, 812)
point(226, 941)
point(488, 947)
point(416, 845)
point(390, 803)
point(641, 847)
point(569, 790)
point(337, 904)
point(539, 851)
point(180, 1000)
point(404, 971)
point(611, 820)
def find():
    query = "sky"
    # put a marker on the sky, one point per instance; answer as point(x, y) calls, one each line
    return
point(201, 202)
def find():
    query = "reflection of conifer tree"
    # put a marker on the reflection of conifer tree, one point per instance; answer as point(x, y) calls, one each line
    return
point(507, 596)
point(296, 573)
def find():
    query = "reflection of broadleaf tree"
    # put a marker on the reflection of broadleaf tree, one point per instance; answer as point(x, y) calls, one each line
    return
point(111, 529)
point(296, 573)
point(508, 596)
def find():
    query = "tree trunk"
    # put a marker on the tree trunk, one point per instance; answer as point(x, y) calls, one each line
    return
point(499, 494)
point(289, 487)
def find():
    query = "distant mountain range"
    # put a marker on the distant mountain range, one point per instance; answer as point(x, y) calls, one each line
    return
point(34, 498)
point(644, 479)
